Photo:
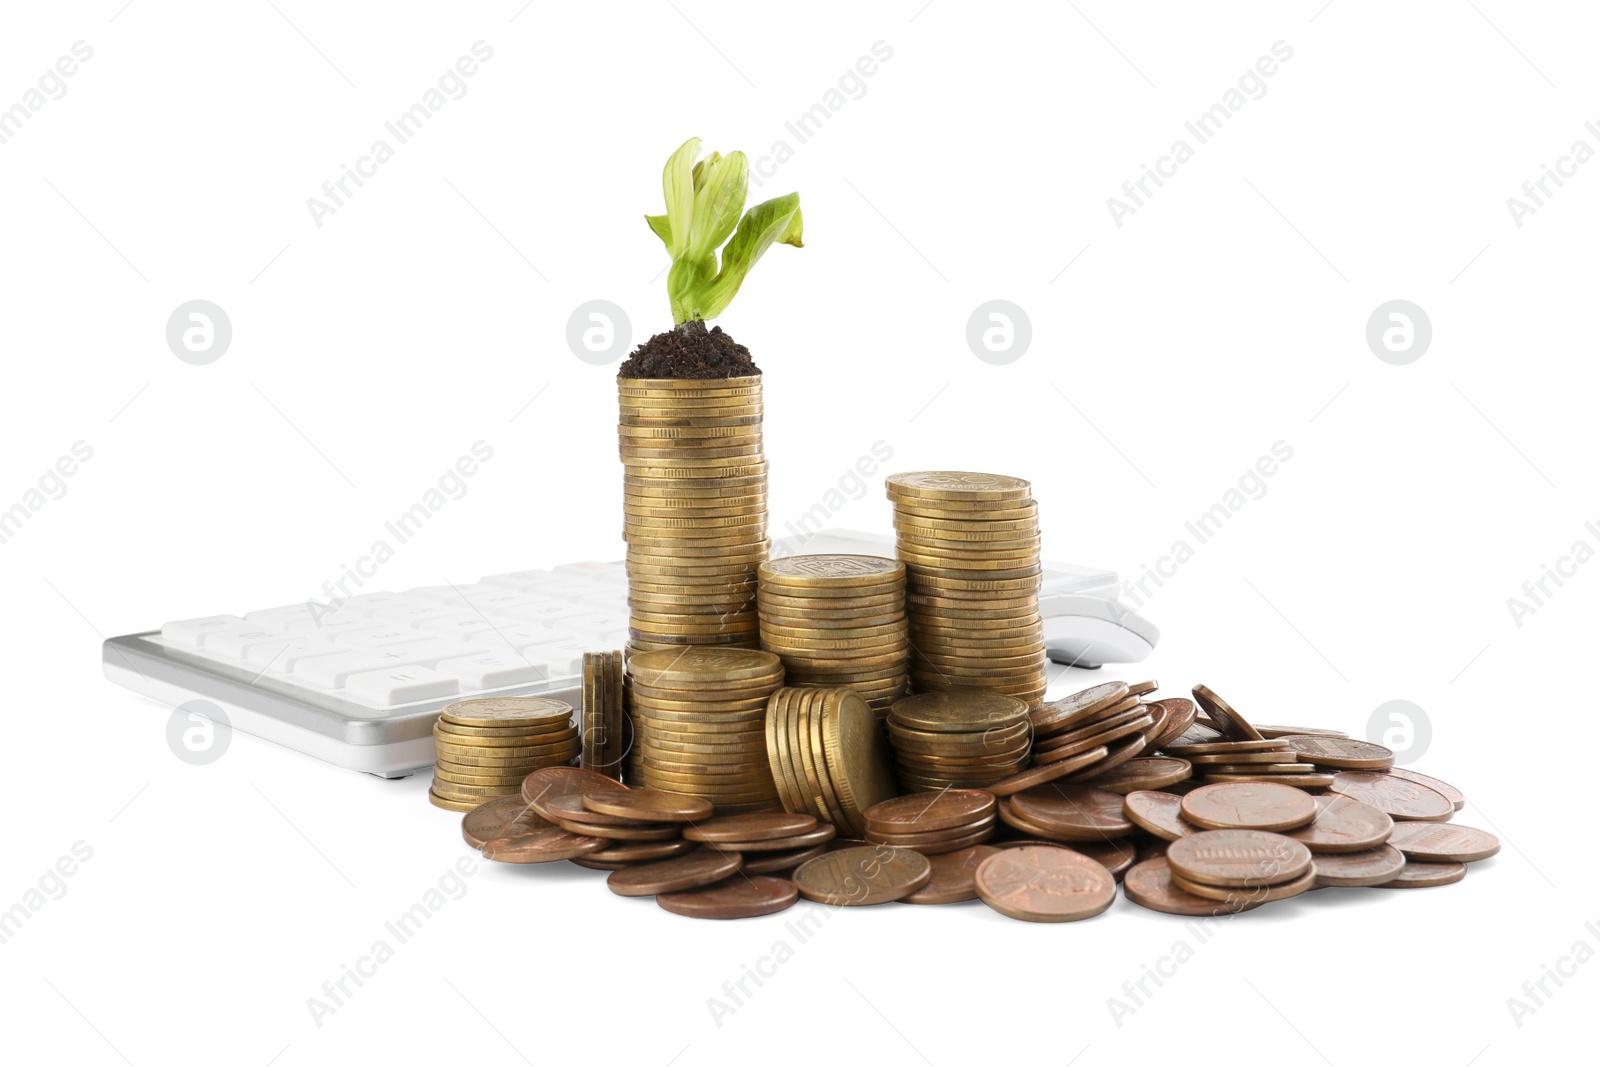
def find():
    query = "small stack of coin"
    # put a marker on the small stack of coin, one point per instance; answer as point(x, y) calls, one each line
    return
point(604, 734)
point(1240, 868)
point(1250, 761)
point(699, 720)
point(826, 753)
point(958, 739)
point(970, 543)
point(487, 746)
point(694, 509)
point(838, 621)
point(933, 825)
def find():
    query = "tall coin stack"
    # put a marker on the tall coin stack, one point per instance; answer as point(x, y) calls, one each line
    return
point(970, 543)
point(699, 720)
point(694, 509)
point(837, 621)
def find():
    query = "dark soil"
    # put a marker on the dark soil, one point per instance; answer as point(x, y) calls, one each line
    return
point(689, 350)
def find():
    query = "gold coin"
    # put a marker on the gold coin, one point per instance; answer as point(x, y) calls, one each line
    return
point(840, 571)
point(957, 486)
point(507, 712)
point(453, 805)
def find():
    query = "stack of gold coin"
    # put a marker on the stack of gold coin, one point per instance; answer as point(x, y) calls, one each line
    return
point(837, 621)
point(694, 509)
point(958, 739)
point(604, 734)
point(699, 719)
point(488, 745)
point(826, 753)
point(970, 543)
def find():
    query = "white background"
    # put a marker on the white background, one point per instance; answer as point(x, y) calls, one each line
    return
point(1227, 314)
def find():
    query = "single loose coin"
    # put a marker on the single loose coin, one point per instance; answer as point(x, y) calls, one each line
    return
point(1238, 858)
point(821, 834)
point(1229, 721)
point(1249, 806)
point(733, 898)
point(1079, 707)
point(1284, 731)
point(1454, 795)
point(1149, 884)
point(1149, 772)
point(1400, 798)
point(559, 781)
point(647, 804)
point(1432, 842)
point(1343, 753)
point(1195, 750)
point(700, 867)
point(924, 813)
point(543, 845)
point(759, 827)
point(954, 876)
point(875, 874)
point(1262, 894)
point(1073, 812)
point(1344, 825)
point(1426, 875)
point(1157, 813)
point(1374, 866)
point(1139, 689)
point(1114, 856)
point(1042, 884)
point(507, 816)
point(773, 862)
point(641, 851)
point(570, 808)
point(651, 832)
point(1041, 773)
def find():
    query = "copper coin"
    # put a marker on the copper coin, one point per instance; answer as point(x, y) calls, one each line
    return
point(1343, 825)
point(930, 837)
point(875, 874)
point(1114, 856)
point(1107, 729)
point(1400, 798)
point(923, 812)
point(1454, 795)
point(1269, 757)
point(1193, 750)
point(505, 817)
point(1283, 731)
point(1041, 773)
point(1374, 866)
point(1079, 707)
point(1157, 813)
point(1342, 753)
point(700, 867)
point(641, 851)
point(1261, 894)
point(1118, 754)
point(1049, 885)
point(571, 808)
point(1148, 772)
point(1314, 780)
point(820, 834)
point(1198, 733)
point(1073, 812)
point(1026, 842)
point(647, 804)
point(751, 827)
point(1180, 716)
point(1432, 842)
point(1229, 721)
point(559, 781)
point(651, 832)
point(733, 898)
point(600, 865)
point(1258, 769)
point(543, 845)
point(1139, 689)
point(1426, 875)
point(1249, 806)
point(772, 862)
point(954, 876)
point(1238, 858)
point(1149, 884)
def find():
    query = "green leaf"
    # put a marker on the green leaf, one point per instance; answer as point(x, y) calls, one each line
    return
point(776, 220)
point(718, 200)
point(677, 183)
point(661, 228)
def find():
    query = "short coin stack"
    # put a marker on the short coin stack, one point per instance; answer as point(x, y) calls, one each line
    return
point(699, 720)
point(826, 753)
point(970, 543)
point(838, 620)
point(487, 746)
point(694, 509)
point(933, 824)
point(960, 739)
point(605, 738)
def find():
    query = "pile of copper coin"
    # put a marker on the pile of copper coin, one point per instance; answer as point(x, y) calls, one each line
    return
point(1043, 843)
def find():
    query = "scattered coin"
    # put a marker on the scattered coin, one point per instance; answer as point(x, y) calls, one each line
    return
point(551, 782)
point(1068, 813)
point(954, 876)
point(1237, 858)
point(1115, 856)
point(1454, 795)
point(1157, 813)
point(1400, 798)
point(1426, 875)
point(1149, 884)
point(1249, 806)
point(506, 816)
point(1150, 772)
point(732, 898)
point(647, 805)
point(923, 812)
point(1235, 726)
point(1262, 894)
point(1432, 842)
point(545, 844)
point(1343, 824)
point(1037, 884)
point(1343, 753)
point(1374, 866)
point(773, 862)
point(758, 827)
point(875, 874)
